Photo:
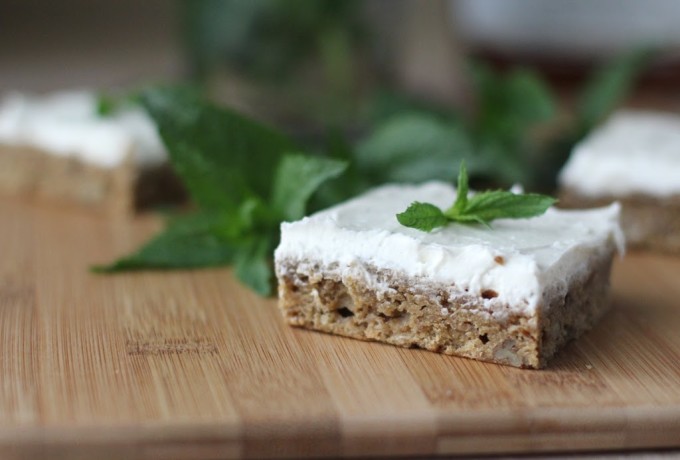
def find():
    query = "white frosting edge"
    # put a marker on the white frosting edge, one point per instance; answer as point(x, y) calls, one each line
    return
point(66, 123)
point(634, 152)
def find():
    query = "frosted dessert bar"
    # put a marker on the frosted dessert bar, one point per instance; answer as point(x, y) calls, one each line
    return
point(510, 294)
point(56, 146)
point(633, 158)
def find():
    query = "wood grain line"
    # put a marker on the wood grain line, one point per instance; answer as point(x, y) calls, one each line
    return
point(19, 398)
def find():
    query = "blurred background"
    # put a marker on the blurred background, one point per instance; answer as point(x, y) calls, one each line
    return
point(324, 68)
point(48, 45)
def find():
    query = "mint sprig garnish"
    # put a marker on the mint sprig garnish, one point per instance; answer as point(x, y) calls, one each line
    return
point(245, 179)
point(480, 208)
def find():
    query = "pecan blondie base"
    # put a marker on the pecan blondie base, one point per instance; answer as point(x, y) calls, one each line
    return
point(510, 294)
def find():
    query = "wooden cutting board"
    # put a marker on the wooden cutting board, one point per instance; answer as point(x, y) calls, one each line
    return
point(189, 364)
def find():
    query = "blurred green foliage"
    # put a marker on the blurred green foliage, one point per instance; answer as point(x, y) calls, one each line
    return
point(515, 133)
point(302, 54)
point(265, 39)
point(608, 86)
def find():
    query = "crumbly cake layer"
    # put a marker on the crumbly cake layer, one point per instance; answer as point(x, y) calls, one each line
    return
point(368, 303)
point(29, 172)
point(648, 222)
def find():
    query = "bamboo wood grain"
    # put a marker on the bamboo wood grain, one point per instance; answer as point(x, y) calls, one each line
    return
point(189, 364)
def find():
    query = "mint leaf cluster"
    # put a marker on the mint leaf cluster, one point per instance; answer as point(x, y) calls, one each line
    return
point(480, 208)
point(517, 133)
point(245, 179)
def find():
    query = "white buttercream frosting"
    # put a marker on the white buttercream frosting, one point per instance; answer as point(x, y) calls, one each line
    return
point(518, 259)
point(635, 152)
point(67, 124)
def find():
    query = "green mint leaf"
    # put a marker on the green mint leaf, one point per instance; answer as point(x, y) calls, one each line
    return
point(252, 215)
point(253, 267)
point(609, 85)
point(106, 105)
point(499, 204)
point(243, 181)
point(386, 104)
point(414, 148)
point(222, 157)
point(528, 97)
point(422, 216)
point(297, 178)
point(350, 184)
point(189, 241)
point(481, 208)
point(511, 106)
point(508, 104)
point(462, 192)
